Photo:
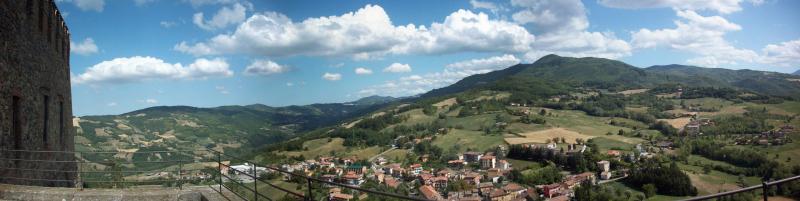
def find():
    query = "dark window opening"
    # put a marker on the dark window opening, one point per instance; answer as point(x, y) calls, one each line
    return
point(46, 116)
point(29, 7)
point(41, 16)
point(61, 125)
point(16, 121)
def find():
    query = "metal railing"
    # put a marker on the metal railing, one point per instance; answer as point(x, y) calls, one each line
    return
point(307, 195)
point(96, 169)
point(121, 169)
point(765, 187)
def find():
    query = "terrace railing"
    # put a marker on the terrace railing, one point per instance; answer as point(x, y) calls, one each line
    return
point(307, 194)
point(764, 187)
point(124, 169)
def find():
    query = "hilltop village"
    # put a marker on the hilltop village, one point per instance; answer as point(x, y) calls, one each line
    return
point(485, 147)
point(489, 176)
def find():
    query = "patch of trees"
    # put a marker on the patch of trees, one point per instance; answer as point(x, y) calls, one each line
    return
point(591, 192)
point(746, 124)
point(664, 127)
point(527, 89)
point(735, 156)
point(546, 175)
point(667, 180)
point(604, 105)
point(532, 119)
point(380, 122)
point(709, 92)
point(359, 137)
point(426, 147)
point(577, 162)
point(481, 107)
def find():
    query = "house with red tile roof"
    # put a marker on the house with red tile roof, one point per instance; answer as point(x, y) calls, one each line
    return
point(430, 193)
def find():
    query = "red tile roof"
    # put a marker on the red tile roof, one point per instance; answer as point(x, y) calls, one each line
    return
point(429, 192)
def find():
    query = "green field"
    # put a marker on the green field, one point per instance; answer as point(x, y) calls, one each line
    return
point(619, 185)
point(319, 147)
point(463, 139)
point(397, 155)
point(588, 125)
point(475, 122)
point(714, 181)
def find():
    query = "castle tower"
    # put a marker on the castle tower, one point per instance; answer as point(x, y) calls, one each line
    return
point(35, 96)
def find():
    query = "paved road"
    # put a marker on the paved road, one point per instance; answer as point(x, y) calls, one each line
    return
point(610, 180)
point(376, 156)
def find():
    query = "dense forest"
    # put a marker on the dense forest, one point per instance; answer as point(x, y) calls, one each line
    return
point(667, 180)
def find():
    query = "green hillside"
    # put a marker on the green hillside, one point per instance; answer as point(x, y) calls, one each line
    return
point(556, 72)
point(609, 106)
point(235, 129)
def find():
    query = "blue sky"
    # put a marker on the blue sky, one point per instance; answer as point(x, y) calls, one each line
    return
point(132, 54)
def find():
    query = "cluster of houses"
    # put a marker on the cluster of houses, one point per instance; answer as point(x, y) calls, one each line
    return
point(693, 127)
point(778, 136)
point(562, 191)
point(487, 182)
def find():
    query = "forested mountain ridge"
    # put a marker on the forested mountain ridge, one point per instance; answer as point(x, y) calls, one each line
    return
point(554, 71)
point(764, 82)
point(241, 127)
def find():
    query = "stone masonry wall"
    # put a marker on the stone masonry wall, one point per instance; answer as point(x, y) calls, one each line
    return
point(34, 70)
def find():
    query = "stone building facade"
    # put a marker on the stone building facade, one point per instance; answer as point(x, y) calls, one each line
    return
point(35, 96)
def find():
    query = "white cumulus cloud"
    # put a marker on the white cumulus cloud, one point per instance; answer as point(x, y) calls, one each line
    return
point(222, 89)
point(397, 68)
point(138, 68)
point(785, 54)
point(85, 47)
point(562, 26)
point(89, 5)
point(198, 3)
point(488, 5)
point(700, 35)
point(491, 63)
point(264, 67)
point(226, 16)
point(416, 84)
point(363, 71)
point(363, 34)
point(167, 24)
point(332, 76)
point(721, 6)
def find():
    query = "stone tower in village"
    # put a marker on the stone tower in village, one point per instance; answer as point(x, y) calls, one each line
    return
point(35, 96)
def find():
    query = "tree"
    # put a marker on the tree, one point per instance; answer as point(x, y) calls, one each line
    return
point(741, 182)
point(649, 190)
point(542, 112)
point(621, 132)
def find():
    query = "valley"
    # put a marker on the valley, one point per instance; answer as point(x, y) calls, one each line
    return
point(557, 128)
point(632, 126)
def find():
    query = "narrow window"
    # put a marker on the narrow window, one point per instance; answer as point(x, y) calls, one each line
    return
point(16, 121)
point(46, 119)
point(61, 124)
point(29, 7)
point(41, 16)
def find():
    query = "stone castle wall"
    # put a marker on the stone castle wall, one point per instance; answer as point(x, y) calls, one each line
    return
point(35, 96)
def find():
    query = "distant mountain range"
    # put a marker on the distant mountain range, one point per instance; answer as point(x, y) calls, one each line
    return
point(554, 71)
point(245, 128)
point(796, 72)
point(239, 127)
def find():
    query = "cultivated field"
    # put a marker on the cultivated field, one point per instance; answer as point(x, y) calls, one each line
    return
point(633, 91)
point(677, 122)
point(544, 135)
point(445, 103)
